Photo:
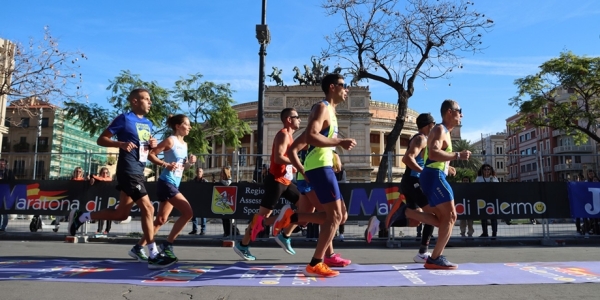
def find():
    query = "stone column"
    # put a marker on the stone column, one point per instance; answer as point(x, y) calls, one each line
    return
point(223, 154)
point(213, 160)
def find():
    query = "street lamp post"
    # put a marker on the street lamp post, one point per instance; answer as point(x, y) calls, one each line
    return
point(39, 133)
point(264, 37)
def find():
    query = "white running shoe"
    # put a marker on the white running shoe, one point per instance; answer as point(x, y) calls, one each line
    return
point(372, 229)
point(421, 258)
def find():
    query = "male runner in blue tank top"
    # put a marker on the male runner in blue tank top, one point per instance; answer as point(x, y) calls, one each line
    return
point(415, 198)
point(134, 140)
point(438, 155)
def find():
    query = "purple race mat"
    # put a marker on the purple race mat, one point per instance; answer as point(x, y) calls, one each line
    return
point(242, 274)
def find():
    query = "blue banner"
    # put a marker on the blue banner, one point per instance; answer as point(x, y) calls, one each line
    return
point(584, 198)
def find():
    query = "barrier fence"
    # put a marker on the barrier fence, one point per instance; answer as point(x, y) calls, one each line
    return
point(533, 209)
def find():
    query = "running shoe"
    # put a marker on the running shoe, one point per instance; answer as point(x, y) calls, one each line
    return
point(138, 254)
point(283, 220)
point(168, 250)
point(336, 261)
point(320, 270)
point(285, 244)
point(439, 263)
point(161, 261)
point(256, 226)
point(243, 252)
point(421, 257)
point(74, 222)
point(372, 228)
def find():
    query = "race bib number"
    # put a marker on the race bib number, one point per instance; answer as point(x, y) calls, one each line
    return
point(289, 172)
point(144, 149)
point(178, 172)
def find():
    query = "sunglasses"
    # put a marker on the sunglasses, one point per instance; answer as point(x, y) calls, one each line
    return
point(459, 110)
point(294, 117)
point(344, 85)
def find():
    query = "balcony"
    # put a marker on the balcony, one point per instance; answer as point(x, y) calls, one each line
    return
point(567, 167)
point(544, 135)
point(558, 132)
point(21, 147)
point(573, 148)
point(6, 147)
point(40, 148)
point(548, 169)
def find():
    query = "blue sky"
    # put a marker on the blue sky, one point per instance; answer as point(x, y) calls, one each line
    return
point(164, 40)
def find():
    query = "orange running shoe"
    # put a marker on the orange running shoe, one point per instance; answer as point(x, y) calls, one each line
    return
point(283, 219)
point(320, 270)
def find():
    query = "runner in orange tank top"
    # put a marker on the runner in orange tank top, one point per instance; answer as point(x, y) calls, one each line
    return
point(277, 184)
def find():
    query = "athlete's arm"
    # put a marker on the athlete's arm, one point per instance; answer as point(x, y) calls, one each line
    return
point(414, 149)
point(292, 152)
point(281, 143)
point(162, 146)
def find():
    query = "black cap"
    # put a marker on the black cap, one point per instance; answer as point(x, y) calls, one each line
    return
point(424, 120)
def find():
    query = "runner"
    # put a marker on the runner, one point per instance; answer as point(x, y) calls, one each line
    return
point(438, 155)
point(167, 187)
point(415, 199)
point(321, 136)
point(278, 183)
point(134, 140)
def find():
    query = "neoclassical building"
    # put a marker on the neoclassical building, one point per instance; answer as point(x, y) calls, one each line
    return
point(367, 121)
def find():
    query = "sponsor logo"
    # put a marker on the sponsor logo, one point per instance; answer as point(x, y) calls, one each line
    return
point(24, 197)
point(499, 208)
point(224, 200)
point(594, 207)
point(379, 200)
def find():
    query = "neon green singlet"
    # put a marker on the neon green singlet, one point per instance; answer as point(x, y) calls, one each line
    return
point(440, 165)
point(318, 157)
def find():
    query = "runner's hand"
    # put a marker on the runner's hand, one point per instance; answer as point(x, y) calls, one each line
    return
point(348, 144)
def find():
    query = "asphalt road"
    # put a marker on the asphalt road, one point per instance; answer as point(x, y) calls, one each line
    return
point(375, 255)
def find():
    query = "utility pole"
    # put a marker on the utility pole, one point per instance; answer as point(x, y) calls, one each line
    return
point(39, 134)
point(264, 37)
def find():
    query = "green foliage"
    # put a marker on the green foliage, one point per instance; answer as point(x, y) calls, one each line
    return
point(472, 164)
point(208, 106)
point(461, 173)
point(564, 94)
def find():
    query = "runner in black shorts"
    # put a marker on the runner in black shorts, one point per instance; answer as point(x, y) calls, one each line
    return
point(278, 183)
point(134, 140)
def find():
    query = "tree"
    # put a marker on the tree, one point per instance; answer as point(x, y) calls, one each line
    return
point(473, 163)
point(564, 94)
point(396, 46)
point(207, 105)
point(40, 70)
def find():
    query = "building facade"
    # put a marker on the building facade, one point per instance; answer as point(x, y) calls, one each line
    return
point(491, 148)
point(43, 144)
point(544, 154)
point(368, 122)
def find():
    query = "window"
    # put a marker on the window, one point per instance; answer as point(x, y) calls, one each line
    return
point(45, 122)
point(528, 167)
point(522, 168)
point(7, 122)
point(243, 158)
point(499, 165)
point(533, 150)
point(23, 140)
point(578, 159)
point(39, 170)
point(19, 168)
point(534, 167)
point(533, 134)
point(498, 150)
point(24, 122)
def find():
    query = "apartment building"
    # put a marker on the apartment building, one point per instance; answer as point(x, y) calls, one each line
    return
point(545, 154)
point(42, 143)
point(491, 148)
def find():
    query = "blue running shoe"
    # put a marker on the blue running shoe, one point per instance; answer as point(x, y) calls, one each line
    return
point(138, 254)
point(243, 252)
point(285, 243)
point(74, 222)
point(440, 263)
point(161, 261)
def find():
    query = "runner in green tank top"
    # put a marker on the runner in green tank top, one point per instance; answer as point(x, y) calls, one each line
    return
point(433, 182)
point(321, 136)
